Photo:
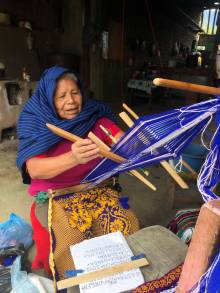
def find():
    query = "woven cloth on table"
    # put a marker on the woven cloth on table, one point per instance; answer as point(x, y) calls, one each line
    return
point(183, 224)
point(83, 215)
point(167, 283)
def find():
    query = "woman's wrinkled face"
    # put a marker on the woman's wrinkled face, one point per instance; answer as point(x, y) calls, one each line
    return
point(67, 99)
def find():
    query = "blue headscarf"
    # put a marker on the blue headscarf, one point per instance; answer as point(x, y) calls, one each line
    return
point(34, 136)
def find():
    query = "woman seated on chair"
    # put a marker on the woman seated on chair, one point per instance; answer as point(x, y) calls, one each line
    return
point(49, 162)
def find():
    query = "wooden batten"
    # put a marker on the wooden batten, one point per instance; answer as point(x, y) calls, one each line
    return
point(70, 282)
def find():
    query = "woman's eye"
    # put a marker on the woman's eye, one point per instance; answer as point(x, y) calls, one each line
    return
point(61, 97)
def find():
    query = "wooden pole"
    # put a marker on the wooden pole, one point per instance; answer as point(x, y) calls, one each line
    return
point(186, 86)
point(165, 164)
point(204, 244)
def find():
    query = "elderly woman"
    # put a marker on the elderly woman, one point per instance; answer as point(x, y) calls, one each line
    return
point(48, 162)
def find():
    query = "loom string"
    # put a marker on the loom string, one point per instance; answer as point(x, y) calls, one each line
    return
point(210, 171)
point(209, 174)
point(173, 147)
point(164, 156)
point(179, 165)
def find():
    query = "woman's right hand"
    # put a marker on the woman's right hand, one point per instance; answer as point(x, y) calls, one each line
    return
point(84, 150)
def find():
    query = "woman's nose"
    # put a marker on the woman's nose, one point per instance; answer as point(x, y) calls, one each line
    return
point(71, 99)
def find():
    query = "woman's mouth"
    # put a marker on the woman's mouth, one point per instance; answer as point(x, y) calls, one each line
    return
point(75, 110)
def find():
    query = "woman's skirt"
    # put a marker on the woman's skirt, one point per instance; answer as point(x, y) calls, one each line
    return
point(74, 217)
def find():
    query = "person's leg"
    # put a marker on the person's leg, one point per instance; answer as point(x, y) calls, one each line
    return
point(41, 237)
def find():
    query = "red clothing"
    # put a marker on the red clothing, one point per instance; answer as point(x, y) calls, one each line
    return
point(74, 175)
point(41, 238)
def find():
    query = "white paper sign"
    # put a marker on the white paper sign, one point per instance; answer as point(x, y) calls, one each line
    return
point(103, 252)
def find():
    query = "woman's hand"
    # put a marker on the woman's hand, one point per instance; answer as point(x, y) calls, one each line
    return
point(84, 150)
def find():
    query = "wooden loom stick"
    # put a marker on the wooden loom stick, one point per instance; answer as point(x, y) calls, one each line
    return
point(185, 164)
point(130, 111)
point(174, 175)
point(124, 116)
point(102, 273)
point(98, 141)
point(186, 86)
point(108, 133)
point(165, 164)
point(94, 138)
point(71, 137)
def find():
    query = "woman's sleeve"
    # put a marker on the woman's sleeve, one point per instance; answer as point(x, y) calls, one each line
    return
point(38, 156)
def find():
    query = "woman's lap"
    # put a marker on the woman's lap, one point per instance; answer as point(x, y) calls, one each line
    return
point(64, 225)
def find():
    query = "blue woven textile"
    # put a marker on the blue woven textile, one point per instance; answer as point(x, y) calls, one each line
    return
point(34, 137)
point(210, 281)
point(163, 136)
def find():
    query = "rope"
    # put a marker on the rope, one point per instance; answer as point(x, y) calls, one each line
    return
point(149, 14)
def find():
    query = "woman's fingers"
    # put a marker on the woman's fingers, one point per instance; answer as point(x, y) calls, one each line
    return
point(83, 142)
point(91, 147)
point(85, 145)
point(85, 150)
point(94, 152)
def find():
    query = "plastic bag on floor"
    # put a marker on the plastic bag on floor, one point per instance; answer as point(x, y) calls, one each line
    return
point(5, 279)
point(19, 279)
point(44, 285)
point(15, 231)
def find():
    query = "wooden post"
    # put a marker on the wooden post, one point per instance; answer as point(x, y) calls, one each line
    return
point(205, 243)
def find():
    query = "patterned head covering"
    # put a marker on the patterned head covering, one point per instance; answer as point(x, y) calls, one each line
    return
point(34, 136)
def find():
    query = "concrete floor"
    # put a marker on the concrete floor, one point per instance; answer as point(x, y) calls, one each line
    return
point(13, 195)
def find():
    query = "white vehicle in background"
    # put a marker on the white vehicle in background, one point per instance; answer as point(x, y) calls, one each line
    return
point(13, 94)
